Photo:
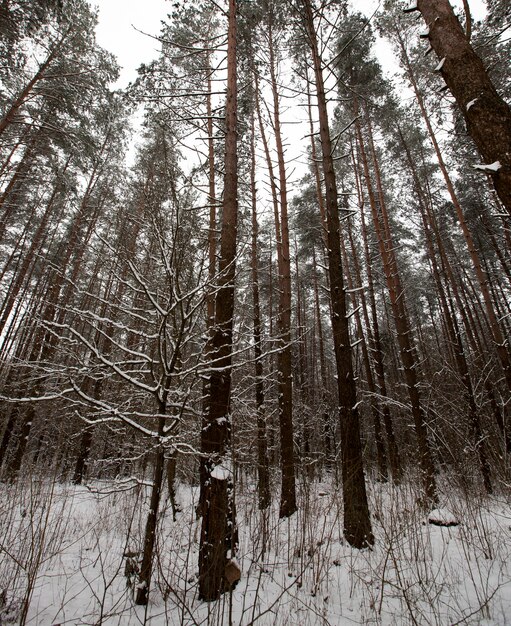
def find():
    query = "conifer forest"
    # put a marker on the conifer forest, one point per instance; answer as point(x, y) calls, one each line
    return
point(255, 316)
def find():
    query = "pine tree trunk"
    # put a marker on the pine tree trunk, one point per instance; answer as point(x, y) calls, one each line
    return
point(487, 115)
point(263, 484)
point(218, 532)
point(407, 350)
point(357, 524)
point(284, 358)
point(210, 296)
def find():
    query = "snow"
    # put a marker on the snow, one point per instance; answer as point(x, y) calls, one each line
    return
point(440, 65)
point(442, 517)
point(294, 571)
point(471, 104)
point(489, 168)
point(220, 472)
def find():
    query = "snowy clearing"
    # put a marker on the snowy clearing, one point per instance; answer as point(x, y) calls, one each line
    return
point(64, 552)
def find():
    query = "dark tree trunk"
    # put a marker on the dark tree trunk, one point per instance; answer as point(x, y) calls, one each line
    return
point(210, 296)
point(357, 524)
point(218, 532)
point(171, 483)
point(83, 455)
point(487, 115)
point(144, 578)
point(284, 358)
point(407, 350)
point(263, 484)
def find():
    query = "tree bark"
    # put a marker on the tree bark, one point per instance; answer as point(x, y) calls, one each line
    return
point(263, 484)
point(406, 349)
point(357, 523)
point(284, 357)
point(487, 115)
point(218, 532)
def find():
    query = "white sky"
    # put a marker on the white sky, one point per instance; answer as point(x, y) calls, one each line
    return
point(120, 19)
point(121, 28)
point(117, 32)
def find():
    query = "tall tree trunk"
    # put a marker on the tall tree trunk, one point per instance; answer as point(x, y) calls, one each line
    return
point(218, 532)
point(284, 357)
point(357, 524)
point(210, 295)
point(407, 350)
point(263, 483)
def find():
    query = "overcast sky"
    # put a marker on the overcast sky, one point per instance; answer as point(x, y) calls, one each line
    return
point(121, 20)
point(118, 31)
point(125, 28)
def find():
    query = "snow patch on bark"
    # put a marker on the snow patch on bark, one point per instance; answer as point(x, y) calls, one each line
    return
point(489, 167)
point(471, 104)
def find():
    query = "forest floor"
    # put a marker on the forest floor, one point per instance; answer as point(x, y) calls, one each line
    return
point(62, 559)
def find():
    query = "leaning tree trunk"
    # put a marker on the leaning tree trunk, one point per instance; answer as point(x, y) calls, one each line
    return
point(144, 577)
point(357, 523)
point(487, 115)
point(218, 532)
point(482, 278)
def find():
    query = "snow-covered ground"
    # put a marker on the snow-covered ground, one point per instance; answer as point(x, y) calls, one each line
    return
point(62, 560)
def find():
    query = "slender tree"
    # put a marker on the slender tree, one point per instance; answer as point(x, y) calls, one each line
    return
point(357, 524)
